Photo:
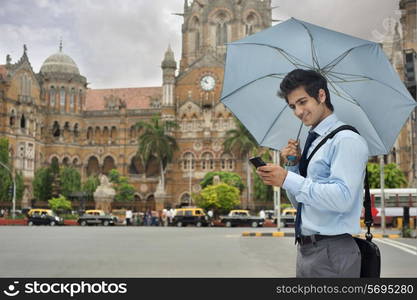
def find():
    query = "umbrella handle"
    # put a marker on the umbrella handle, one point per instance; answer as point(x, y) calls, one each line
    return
point(291, 157)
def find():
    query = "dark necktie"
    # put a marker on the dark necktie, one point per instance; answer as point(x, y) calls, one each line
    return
point(303, 172)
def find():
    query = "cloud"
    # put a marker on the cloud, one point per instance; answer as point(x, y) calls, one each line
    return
point(122, 43)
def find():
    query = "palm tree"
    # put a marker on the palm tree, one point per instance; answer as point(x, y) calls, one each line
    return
point(157, 142)
point(241, 140)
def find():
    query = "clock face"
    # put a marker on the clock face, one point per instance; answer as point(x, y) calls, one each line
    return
point(207, 83)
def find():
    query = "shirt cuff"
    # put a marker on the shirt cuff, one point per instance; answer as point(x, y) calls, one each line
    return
point(293, 183)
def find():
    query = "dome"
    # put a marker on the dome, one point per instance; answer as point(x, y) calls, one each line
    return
point(59, 63)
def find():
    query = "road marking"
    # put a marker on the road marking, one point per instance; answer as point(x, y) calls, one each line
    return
point(402, 247)
point(403, 244)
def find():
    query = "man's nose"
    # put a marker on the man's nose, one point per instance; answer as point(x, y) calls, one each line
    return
point(299, 112)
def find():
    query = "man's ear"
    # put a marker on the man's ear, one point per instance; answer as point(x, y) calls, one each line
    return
point(322, 96)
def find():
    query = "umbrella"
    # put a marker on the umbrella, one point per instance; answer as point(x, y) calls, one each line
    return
point(365, 90)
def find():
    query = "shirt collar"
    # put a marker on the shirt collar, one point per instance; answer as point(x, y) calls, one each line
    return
point(325, 125)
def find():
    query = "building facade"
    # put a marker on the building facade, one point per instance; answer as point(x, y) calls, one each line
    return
point(53, 114)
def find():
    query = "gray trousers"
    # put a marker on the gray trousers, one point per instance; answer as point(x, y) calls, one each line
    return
point(337, 256)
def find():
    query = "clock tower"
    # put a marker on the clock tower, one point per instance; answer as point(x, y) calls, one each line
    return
point(203, 121)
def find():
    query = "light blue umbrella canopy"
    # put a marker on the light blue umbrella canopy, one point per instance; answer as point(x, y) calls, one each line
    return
point(365, 90)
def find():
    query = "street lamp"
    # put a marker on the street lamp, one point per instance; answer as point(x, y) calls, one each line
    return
point(190, 162)
point(14, 189)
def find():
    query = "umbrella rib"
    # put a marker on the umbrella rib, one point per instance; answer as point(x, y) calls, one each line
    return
point(266, 134)
point(249, 83)
point(352, 100)
point(342, 56)
point(371, 79)
point(292, 59)
point(364, 111)
point(313, 49)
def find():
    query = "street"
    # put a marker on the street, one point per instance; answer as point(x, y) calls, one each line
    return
point(43, 251)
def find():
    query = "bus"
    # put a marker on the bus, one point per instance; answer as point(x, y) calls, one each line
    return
point(395, 201)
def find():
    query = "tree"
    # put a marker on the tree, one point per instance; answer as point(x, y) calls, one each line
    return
point(42, 184)
point(90, 186)
point(56, 181)
point(221, 197)
point(5, 179)
point(114, 176)
point(240, 139)
point(229, 178)
point(394, 177)
point(157, 142)
point(70, 180)
point(20, 185)
point(124, 190)
point(60, 204)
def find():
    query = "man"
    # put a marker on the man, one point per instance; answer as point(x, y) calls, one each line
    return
point(328, 194)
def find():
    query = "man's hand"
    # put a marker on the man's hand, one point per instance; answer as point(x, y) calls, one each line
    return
point(272, 174)
point(292, 149)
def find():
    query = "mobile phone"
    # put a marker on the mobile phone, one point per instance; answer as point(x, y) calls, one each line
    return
point(257, 161)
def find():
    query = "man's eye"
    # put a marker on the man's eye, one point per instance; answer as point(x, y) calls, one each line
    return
point(292, 107)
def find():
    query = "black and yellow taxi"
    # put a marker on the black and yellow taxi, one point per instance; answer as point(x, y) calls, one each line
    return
point(40, 216)
point(96, 217)
point(190, 216)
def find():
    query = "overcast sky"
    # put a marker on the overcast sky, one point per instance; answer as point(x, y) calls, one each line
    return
point(121, 43)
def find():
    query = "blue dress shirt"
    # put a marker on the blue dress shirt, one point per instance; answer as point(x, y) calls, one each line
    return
point(332, 191)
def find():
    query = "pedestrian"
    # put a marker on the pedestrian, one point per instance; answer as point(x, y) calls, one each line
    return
point(328, 195)
point(211, 217)
point(164, 217)
point(171, 215)
point(262, 214)
point(128, 217)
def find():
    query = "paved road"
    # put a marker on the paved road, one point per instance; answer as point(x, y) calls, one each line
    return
point(164, 252)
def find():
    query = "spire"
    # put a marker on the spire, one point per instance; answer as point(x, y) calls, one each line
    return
point(169, 59)
point(25, 49)
point(60, 45)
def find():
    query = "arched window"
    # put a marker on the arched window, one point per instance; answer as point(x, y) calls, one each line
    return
point(113, 134)
point(207, 161)
point(226, 162)
point(108, 165)
point(80, 94)
point(250, 22)
point(195, 29)
point(76, 130)
point(12, 120)
point(188, 161)
point(23, 122)
point(221, 28)
point(72, 100)
point(52, 97)
point(25, 85)
point(93, 166)
point(90, 133)
point(62, 97)
point(56, 132)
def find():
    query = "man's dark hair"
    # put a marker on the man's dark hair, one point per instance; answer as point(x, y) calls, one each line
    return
point(310, 80)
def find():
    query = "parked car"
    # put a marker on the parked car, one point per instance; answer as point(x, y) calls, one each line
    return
point(38, 216)
point(288, 217)
point(96, 217)
point(239, 217)
point(190, 216)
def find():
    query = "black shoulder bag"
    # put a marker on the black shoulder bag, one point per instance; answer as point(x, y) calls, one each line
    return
point(371, 256)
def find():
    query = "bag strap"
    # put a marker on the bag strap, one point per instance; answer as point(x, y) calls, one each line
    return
point(367, 202)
